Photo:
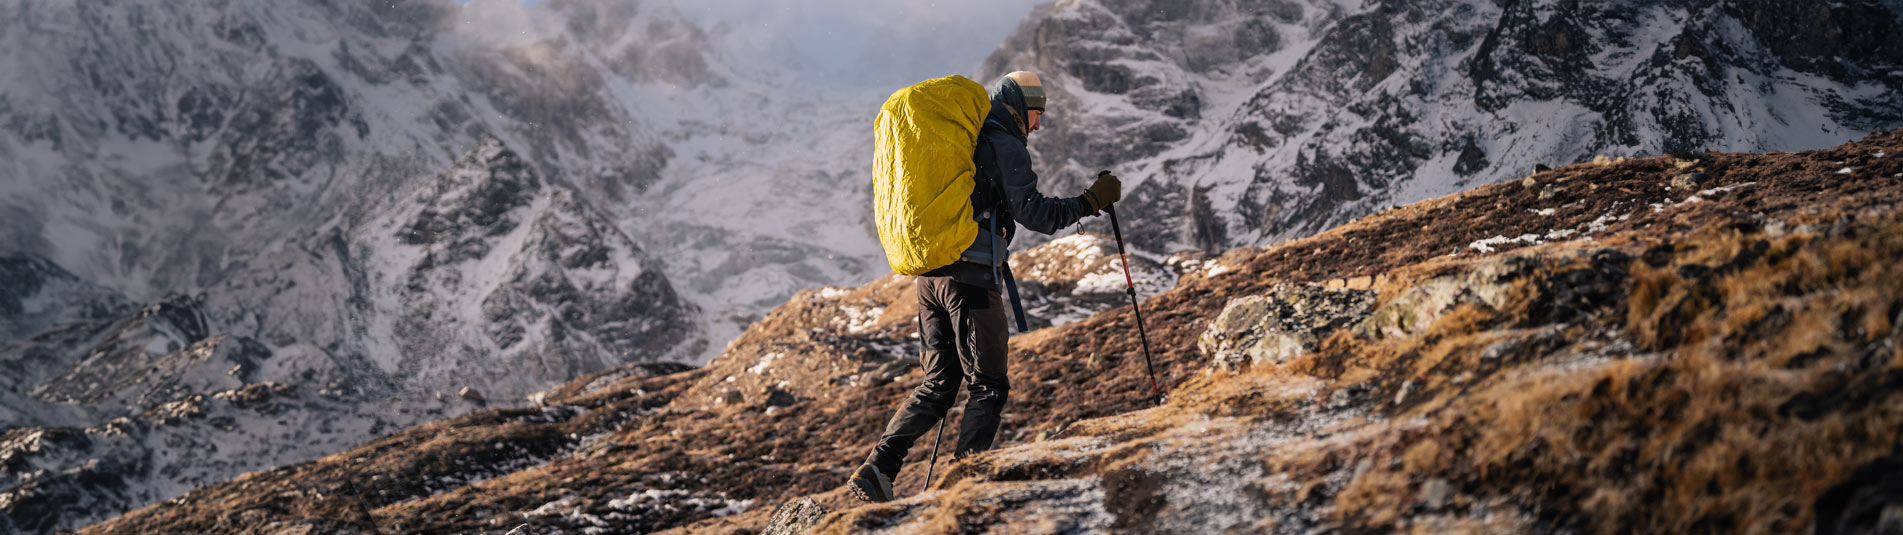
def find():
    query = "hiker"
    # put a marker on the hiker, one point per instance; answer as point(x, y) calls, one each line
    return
point(962, 312)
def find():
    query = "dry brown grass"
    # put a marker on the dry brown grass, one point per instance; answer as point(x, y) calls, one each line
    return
point(1767, 375)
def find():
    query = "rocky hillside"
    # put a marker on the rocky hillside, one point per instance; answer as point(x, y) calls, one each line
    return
point(1248, 123)
point(1694, 343)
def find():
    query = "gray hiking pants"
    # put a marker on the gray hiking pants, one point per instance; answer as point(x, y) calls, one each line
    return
point(965, 338)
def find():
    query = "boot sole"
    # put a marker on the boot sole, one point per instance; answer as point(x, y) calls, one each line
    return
point(865, 491)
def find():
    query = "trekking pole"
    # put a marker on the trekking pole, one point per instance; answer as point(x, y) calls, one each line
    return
point(941, 419)
point(1130, 287)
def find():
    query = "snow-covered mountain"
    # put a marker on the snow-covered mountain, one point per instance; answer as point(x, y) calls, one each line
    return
point(240, 151)
point(377, 205)
point(1248, 123)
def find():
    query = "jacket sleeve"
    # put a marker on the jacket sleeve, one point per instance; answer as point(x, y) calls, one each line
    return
point(1028, 205)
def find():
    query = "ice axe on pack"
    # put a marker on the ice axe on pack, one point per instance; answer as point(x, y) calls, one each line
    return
point(1130, 287)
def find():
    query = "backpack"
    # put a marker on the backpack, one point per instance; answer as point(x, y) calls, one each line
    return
point(923, 174)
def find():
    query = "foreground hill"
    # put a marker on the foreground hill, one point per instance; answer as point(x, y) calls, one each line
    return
point(1704, 343)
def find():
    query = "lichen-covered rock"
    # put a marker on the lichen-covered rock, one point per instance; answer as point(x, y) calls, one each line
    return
point(1419, 306)
point(1289, 321)
point(794, 517)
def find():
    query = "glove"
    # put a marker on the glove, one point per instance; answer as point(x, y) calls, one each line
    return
point(1103, 193)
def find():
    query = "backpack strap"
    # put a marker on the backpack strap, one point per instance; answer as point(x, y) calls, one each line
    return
point(1000, 267)
point(1001, 271)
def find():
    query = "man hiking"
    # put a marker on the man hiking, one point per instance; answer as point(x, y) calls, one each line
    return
point(962, 312)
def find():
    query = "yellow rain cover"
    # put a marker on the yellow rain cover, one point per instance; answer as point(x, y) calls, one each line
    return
point(922, 173)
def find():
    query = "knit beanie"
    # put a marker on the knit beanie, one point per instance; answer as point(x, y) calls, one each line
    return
point(1033, 89)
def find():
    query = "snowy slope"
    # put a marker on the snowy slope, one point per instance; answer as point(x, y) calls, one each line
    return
point(69, 477)
point(1248, 124)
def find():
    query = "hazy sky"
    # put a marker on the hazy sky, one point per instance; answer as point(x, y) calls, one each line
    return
point(881, 42)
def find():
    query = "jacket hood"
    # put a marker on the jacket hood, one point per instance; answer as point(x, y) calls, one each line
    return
point(1007, 107)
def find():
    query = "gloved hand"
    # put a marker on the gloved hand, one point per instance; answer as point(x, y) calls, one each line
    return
point(1105, 191)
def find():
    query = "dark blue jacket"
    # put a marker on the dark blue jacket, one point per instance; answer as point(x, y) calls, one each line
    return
point(1008, 188)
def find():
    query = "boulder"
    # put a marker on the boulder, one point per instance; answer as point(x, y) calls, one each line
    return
point(1270, 329)
point(1418, 307)
point(1690, 180)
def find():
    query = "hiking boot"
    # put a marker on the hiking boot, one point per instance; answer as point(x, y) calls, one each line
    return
point(868, 484)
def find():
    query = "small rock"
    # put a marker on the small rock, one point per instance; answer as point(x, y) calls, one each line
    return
point(1406, 388)
point(1541, 168)
point(730, 397)
point(1364, 282)
point(775, 397)
point(1436, 493)
point(1529, 182)
point(1548, 192)
point(1690, 180)
point(1362, 468)
point(472, 395)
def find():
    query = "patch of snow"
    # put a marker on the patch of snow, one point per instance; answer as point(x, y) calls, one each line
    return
point(1725, 189)
point(858, 319)
point(765, 364)
point(1544, 211)
point(563, 506)
point(1604, 221)
point(733, 507)
point(1487, 245)
point(1846, 171)
point(633, 501)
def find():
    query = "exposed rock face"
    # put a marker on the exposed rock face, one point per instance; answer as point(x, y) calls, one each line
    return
point(484, 275)
point(1268, 330)
point(1245, 124)
point(156, 334)
point(512, 284)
